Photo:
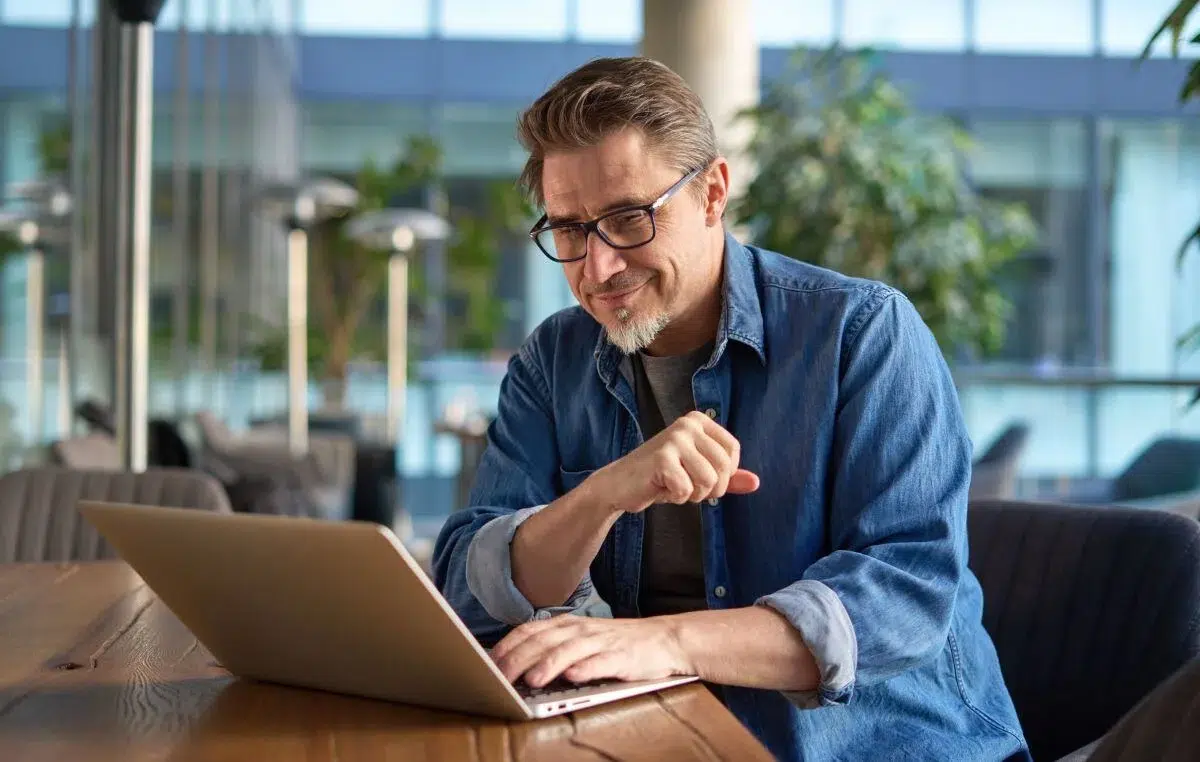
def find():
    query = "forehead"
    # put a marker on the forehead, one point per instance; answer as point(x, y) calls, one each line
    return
point(619, 170)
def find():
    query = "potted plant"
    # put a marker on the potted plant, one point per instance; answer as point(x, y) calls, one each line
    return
point(849, 177)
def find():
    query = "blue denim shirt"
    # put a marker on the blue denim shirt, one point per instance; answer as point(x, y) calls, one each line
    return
point(844, 407)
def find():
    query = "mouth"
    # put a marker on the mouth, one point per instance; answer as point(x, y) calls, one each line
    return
point(619, 298)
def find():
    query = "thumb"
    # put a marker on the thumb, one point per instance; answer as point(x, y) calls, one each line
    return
point(742, 482)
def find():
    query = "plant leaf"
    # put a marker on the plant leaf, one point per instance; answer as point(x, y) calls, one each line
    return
point(1183, 247)
point(1174, 22)
point(1191, 85)
point(1191, 339)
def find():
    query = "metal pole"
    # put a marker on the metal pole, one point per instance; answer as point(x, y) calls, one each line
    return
point(210, 205)
point(68, 382)
point(397, 344)
point(297, 339)
point(64, 390)
point(134, 310)
point(35, 350)
point(182, 307)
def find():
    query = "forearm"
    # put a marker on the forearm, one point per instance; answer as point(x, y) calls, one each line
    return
point(754, 647)
point(554, 548)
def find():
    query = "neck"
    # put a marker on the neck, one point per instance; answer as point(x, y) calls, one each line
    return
point(692, 328)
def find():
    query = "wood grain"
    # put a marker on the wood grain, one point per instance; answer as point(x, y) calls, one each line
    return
point(94, 667)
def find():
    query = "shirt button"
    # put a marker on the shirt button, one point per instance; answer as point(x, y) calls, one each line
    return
point(719, 591)
point(713, 501)
point(711, 412)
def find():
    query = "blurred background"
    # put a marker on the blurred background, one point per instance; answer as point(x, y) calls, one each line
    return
point(1018, 167)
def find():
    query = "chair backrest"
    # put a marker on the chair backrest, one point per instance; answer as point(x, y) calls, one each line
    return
point(39, 515)
point(1008, 445)
point(994, 473)
point(213, 431)
point(1089, 609)
point(1167, 466)
point(91, 452)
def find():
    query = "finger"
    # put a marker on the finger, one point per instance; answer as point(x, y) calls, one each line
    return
point(610, 664)
point(564, 656)
point(723, 437)
point(520, 633)
point(716, 455)
point(532, 650)
point(743, 482)
point(673, 482)
point(700, 472)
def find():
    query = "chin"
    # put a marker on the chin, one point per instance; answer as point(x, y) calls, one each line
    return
point(635, 332)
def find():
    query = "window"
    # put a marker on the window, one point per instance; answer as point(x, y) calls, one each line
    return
point(480, 139)
point(388, 18)
point(1042, 164)
point(339, 137)
point(1126, 26)
point(1151, 181)
point(36, 12)
point(1034, 26)
point(512, 19)
point(787, 23)
point(912, 25)
point(608, 20)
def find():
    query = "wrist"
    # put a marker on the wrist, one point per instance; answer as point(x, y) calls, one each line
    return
point(602, 493)
point(675, 629)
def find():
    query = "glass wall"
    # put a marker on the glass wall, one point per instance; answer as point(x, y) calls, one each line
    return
point(1099, 294)
point(225, 122)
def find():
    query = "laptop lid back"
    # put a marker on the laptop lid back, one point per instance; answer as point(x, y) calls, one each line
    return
point(338, 606)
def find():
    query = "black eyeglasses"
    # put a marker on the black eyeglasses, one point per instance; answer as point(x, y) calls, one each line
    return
point(625, 228)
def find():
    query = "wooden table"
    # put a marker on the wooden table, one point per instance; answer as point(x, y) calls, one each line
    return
point(93, 666)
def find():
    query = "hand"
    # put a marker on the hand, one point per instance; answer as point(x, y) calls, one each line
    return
point(691, 460)
point(582, 649)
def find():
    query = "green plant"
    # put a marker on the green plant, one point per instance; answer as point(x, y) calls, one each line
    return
point(1174, 24)
point(849, 177)
point(474, 258)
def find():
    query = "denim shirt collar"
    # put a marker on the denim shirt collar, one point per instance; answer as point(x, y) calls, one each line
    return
point(741, 314)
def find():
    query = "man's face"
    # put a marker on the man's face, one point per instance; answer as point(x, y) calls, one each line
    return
point(636, 294)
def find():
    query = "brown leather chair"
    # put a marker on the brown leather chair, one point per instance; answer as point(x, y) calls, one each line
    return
point(39, 516)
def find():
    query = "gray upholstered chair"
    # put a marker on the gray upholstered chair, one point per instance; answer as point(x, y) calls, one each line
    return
point(91, 452)
point(1164, 476)
point(994, 473)
point(1090, 608)
point(39, 516)
point(326, 474)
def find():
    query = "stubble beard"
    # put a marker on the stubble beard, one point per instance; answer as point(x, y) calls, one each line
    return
point(632, 334)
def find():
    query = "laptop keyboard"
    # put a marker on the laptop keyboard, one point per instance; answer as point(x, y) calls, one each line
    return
point(558, 687)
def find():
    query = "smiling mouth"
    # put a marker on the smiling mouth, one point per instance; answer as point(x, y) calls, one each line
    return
point(620, 295)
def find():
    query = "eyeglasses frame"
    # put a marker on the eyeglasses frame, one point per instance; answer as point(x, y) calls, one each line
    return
point(593, 226)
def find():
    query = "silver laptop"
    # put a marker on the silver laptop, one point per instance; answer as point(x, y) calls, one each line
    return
point(337, 606)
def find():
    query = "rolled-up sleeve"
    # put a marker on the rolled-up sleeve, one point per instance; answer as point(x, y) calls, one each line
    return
point(516, 478)
point(490, 580)
point(880, 602)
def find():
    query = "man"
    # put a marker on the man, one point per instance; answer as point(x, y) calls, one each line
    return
point(761, 466)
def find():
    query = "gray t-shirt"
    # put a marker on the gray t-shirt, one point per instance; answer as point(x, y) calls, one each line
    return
point(673, 545)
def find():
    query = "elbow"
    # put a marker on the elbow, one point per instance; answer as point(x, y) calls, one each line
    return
point(919, 641)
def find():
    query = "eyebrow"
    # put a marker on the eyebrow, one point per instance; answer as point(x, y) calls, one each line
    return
point(618, 204)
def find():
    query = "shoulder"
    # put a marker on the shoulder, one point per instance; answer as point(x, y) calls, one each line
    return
point(822, 295)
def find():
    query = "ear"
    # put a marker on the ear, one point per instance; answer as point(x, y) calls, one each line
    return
point(716, 191)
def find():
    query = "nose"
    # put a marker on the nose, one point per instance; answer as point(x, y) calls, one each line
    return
point(602, 261)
